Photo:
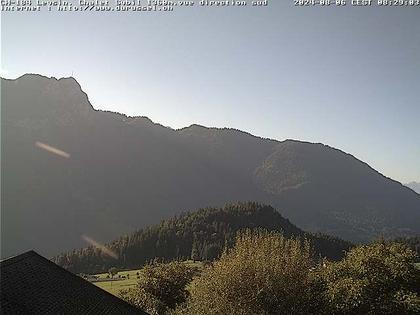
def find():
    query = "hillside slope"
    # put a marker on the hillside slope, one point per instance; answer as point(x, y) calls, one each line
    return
point(201, 235)
point(124, 173)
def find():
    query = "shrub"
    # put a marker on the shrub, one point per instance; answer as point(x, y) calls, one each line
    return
point(113, 271)
point(373, 279)
point(264, 273)
point(161, 288)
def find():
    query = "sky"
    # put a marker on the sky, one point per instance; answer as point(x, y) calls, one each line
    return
point(346, 76)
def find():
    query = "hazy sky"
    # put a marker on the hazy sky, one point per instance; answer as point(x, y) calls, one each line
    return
point(347, 77)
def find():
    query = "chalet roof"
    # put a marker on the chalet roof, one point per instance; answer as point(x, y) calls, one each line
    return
point(31, 284)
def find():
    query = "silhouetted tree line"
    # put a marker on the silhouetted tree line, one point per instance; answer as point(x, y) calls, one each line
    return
point(200, 235)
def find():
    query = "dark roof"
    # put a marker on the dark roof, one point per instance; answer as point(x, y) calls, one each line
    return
point(31, 284)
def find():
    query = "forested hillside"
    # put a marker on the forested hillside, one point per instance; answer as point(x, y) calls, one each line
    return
point(200, 235)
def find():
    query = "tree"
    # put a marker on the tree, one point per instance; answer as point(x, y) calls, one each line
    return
point(264, 273)
point(373, 279)
point(162, 287)
point(195, 255)
point(112, 271)
point(211, 252)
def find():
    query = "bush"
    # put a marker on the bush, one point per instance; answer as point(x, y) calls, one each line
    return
point(264, 273)
point(373, 279)
point(113, 271)
point(161, 288)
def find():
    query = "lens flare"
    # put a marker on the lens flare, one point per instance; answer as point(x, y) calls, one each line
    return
point(102, 247)
point(51, 149)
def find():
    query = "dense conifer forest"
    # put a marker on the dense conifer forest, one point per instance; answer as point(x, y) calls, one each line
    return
point(200, 235)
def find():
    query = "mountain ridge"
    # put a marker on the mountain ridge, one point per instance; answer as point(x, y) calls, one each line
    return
point(126, 172)
point(194, 125)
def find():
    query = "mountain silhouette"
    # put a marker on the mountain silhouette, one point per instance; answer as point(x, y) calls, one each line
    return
point(414, 186)
point(70, 171)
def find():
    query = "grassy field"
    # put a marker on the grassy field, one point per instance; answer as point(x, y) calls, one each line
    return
point(114, 287)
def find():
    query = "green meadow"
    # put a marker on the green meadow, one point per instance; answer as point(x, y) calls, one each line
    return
point(114, 286)
point(131, 278)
